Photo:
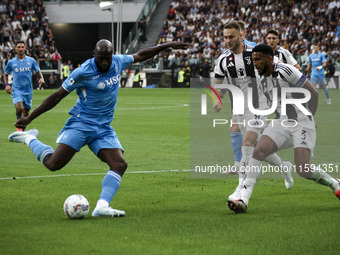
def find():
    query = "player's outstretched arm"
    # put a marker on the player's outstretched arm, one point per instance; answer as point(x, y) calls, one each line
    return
point(45, 106)
point(217, 107)
point(308, 70)
point(8, 88)
point(147, 53)
point(297, 66)
point(313, 102)
point(41, 79)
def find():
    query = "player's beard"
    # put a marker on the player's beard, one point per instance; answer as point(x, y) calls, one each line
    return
point(21, 54)
point(263, 69)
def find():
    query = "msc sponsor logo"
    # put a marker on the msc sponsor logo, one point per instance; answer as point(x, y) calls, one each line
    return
point(101, 84)
point(109, 82)
point(22, 69)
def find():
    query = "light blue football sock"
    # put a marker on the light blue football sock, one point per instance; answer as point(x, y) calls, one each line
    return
point(110, 185)
point(326, 93)
point(236, 144)
point(40, 150)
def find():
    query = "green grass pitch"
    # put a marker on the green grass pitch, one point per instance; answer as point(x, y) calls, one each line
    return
point(167, 212)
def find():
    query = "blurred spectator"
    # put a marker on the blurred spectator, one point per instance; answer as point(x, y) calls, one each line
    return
point(330, 69)
point(55, 58)
point(137, 81)
point(142, 29)
point(7, 47)
point(187, 74)
point(303, 59)
point(15, 23)
point(2, 82)
point(171, 13)
point(25, 20)
point(205, 69)
point(66, 71)
point(181, 78)
point(299, 24)
point(69, 63)
point(7, 31)
point(52, 80)
point(124, 77)
point(1, 33)
point(20, 12)
point(37, 40)
point(16, 36)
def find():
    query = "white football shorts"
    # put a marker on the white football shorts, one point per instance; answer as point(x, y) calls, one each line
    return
point(290, 133)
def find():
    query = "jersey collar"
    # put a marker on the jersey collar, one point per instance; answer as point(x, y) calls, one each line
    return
point(20, 59)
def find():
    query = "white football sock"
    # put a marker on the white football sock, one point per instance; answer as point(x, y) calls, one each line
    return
point(29, 139)
point(253, 173)
point(102, 203)
point(247, 153)
point(274, 160)
point(320, 176)
point(237, 165)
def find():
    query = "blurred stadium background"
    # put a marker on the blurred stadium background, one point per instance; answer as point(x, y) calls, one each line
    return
point(62, 32)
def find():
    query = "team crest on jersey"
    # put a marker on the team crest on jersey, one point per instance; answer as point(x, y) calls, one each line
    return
point(240, 72)
point(16, 70)
point(265, 86)
point(248, 60)
point(101, 85)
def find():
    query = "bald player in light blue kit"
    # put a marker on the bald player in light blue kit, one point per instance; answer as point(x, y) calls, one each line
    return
point(96, 82)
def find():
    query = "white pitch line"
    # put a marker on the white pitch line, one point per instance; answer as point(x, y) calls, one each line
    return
point(88, 174)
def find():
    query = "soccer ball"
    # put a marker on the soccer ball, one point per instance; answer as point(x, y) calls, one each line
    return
point(76, 206)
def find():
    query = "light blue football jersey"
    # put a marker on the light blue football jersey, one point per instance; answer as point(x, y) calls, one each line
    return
point(22, 73)
point(98, 92)
point(317, 60)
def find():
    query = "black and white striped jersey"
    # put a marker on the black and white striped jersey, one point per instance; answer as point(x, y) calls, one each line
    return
point(284, 56)
point(285, 76)
point(239, 70)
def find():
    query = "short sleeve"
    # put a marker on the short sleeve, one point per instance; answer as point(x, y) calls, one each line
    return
point(290, 59)
point(123, 61)
point(73, 81)
point(36, 67)
point(218, 67)
point(8, 68)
